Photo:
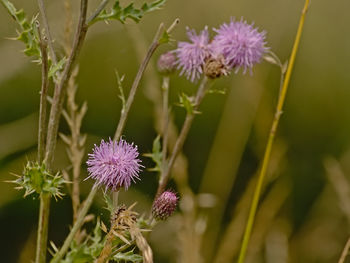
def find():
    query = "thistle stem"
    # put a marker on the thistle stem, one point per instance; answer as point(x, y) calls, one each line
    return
point(271, 139)
point(165, 89)
point(155, 44)
point(115, 199)
point(47, 30)
point(136, 82)
point(43, 101)
point(45, 198)
point(77, 225)
point(345, 252)
point(43, 227)
point(98, 10)
point(182, 136)
point(60, 90)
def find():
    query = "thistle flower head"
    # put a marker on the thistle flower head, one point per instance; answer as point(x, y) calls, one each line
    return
point(164, 205)
point(239, 43)
point(114, 164)
point(191, 56)
point(166, 63)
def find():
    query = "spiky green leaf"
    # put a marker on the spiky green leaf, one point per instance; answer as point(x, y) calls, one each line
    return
point(156, 155)
point(129, 12)
point(28, 33)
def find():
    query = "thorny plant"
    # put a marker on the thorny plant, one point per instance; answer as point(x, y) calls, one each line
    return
point(114, 164)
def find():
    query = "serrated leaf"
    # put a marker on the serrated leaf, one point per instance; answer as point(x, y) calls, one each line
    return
point(136, 14)
point(120, 87)
point(187, 103)
point(156, 155)
point(109, 202)
point(165, 38)
point(55, 68)
point(28, 33)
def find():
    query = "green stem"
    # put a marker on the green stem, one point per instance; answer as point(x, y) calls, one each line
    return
point(345, 252)
point(43, 100)
point(271, 139)
point(115, 199)
point(60, 89)
point(77, 225)
point(155, 44)
point(165, 89)
point(47, 30)
point(165, 176)
point(43, 227)
point(98, 10)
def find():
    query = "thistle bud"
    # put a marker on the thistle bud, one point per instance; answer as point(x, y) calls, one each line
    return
point(166, 63)
point(215, 67)
point(164, 205)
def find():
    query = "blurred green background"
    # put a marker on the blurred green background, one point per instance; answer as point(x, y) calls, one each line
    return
point(311, 160)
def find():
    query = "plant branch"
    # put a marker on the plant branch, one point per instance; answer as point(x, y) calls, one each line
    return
point(41, 243)
point(98, 10)
point(60, 89)
point(156, 42)
point(165, 176)
point(345, 252)
point(43, 101)
point(271, 139)
point(77, 225)
point(165, 89)
point(47, 30)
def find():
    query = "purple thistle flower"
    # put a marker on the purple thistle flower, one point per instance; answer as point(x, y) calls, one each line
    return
point(191, 56)
point(239, 43)
point(164, 205)
point(166, 63)
point(114, 164)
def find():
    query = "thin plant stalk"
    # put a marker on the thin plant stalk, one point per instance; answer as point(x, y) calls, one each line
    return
point(87, 203)
point(47, 30)
point(43, 227)
point(165, 89)
point(155, 44)
point(43, 101)
point(165, 176)
point(68, 25)
point(271, 138)
point(60, 89)
point(115, 199)
point(98, 10)
point(78, 223)
point(40, 255)
point(345, 252)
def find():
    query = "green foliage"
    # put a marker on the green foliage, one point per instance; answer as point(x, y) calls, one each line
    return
point(187, 102)
point(119, 13)
point(87, 251)
point(55, 68)
point(156, 155)
point(109, 202)
point(36, 178)
point(165, 38)
point(120, 87)
point(219, 90)
point(127, 257)
point(28, 32)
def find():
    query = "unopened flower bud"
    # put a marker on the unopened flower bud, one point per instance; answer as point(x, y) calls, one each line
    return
point(164, 205)
point(215, 68)
point(166, 63)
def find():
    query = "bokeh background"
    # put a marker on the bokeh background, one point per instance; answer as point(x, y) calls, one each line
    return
point(304, 214)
